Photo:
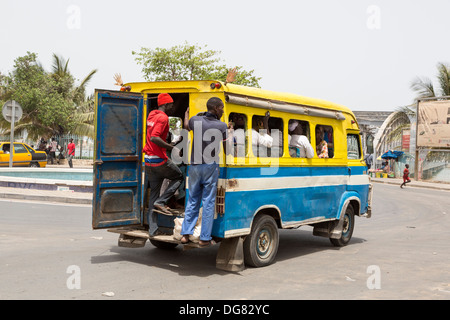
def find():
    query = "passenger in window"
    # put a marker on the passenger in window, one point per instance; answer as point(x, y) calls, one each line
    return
point(261, 140)
point(322, 145)
point(6, 148)
point(239, 134)
point(299, 146)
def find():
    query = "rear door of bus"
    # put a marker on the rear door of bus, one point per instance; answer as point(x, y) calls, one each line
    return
point(118, 160)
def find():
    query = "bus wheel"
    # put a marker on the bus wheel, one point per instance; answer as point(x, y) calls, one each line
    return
point(261, 245)
point(347, 228)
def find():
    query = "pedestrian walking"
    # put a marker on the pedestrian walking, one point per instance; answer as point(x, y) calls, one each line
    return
point(405, 176)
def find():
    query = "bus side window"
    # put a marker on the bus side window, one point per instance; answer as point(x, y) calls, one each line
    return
point(353, 147)
point(324, 141)
point(267, 140)
point(240, 140)
point(299, 139)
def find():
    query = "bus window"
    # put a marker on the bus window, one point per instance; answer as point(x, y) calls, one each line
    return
point(267, 136)
point(324, 141)
point(239, 121)
point(299, 141)
point(353, 147)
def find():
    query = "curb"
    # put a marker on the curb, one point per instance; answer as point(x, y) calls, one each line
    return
point(413, 185)
point(16, 196)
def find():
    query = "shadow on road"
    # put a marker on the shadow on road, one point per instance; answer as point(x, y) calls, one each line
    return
point(202, 262)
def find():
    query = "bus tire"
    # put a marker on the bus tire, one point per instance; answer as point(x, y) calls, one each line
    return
point(261, 245)
point(347, 228)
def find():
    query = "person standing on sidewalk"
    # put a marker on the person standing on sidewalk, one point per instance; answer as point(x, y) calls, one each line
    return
point(53, 147)
point(405, 176)
point(157, 164)
point(209, 132)
point(70, 152)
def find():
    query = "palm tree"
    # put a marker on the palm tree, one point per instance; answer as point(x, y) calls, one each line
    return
point(62, 73)
point(424, 87)
point(84, 117)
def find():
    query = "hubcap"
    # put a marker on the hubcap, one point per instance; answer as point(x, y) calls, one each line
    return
point(264, 241)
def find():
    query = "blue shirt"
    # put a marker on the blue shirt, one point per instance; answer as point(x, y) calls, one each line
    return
point(209, 132)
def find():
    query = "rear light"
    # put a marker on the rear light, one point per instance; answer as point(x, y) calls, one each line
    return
point(216, 85)
point(126, 88)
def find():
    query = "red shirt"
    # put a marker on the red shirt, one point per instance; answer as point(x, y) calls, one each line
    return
point(71, 148)
point(405, 173)
point(157, 126)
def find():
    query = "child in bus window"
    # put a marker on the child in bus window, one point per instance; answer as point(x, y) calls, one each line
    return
point(323, 149)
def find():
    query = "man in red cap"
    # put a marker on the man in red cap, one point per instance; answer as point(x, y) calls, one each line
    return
point(157, 165)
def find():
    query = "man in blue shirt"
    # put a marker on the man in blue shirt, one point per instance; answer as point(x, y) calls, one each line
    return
point(209, 132)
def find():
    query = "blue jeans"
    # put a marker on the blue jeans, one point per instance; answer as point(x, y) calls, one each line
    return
point(202, 185)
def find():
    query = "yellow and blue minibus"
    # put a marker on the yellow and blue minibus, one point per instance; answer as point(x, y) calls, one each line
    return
point(260, 190)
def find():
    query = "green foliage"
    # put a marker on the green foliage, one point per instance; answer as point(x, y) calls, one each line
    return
point(424, 88)
point(51, 102)
point(188, 62)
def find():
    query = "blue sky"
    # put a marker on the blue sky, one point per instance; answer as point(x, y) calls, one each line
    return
point(362, 54)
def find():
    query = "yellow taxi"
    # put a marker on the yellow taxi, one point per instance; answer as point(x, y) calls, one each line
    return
point(23, 155)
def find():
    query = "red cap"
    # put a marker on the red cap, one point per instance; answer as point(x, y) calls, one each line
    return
point(164, 98)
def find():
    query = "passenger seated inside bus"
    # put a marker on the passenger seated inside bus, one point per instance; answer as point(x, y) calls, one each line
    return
point(261, 139)
point(299, 145)
point(267, 136)
point(239, 125)
point(324, 141)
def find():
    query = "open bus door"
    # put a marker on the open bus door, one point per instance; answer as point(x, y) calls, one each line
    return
point(117, 180)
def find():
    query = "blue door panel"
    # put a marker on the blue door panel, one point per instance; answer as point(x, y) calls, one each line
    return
point(118, 160)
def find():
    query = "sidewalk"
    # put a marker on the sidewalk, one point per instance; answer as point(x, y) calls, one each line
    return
point(413, 183)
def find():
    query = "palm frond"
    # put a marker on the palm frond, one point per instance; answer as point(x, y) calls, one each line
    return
point(443, 77)
point(423, 87)
point(88, 78)
point(87, 117)
point(59, 66)
point(84, 129)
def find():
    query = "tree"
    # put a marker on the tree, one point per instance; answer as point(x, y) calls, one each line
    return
point(188, 62)
point(51, 101)
point(424, 87)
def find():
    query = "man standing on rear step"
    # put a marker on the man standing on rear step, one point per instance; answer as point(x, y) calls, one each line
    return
point(209, 133)
point(157, 165)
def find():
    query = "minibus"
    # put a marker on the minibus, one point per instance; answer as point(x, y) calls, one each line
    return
point(261, 189)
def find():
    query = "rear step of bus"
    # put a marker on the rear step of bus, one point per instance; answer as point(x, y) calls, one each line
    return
point(136, 238)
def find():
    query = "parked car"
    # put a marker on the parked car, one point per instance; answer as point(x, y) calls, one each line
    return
point(23, 155)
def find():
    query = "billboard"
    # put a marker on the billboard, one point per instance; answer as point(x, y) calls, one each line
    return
point(433, 123)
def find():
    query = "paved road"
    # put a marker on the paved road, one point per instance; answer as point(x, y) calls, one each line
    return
point(48, 251)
